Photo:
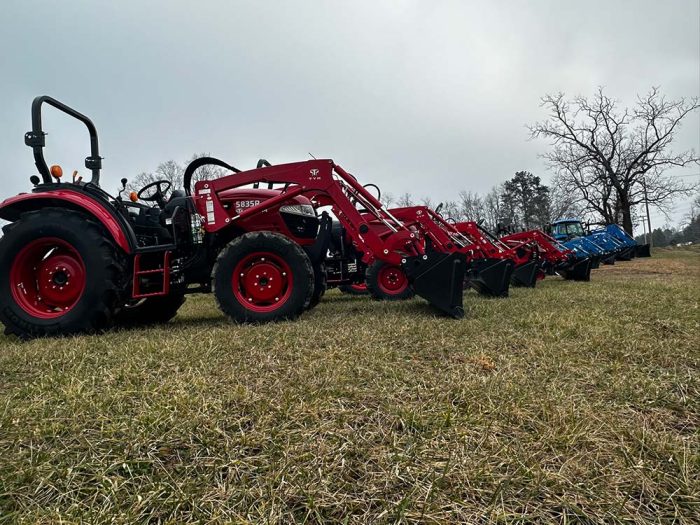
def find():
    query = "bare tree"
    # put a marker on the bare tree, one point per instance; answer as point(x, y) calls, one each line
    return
point(693, 212)
point(471, 206)
point(607, 154)
point(493, 210)
point(168, 170)
point(563, 202)
point(427, 201)
point(174, 172)
point(450, 210)
point(404, 200)
point(387, 199)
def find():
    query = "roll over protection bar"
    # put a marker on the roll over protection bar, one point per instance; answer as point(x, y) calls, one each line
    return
point(198, 163)
point(35, 139)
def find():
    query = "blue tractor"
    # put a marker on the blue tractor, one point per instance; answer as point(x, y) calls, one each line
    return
point(604, 245)
point(634, 248)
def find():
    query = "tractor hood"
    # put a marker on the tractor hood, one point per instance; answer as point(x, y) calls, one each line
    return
point(243, 198)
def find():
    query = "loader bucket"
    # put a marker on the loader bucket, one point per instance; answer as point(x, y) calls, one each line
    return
point(525, 275)
point(437, 278)
point(490, 276)
point(625, 254)
point(578, 271)
point(642, 250)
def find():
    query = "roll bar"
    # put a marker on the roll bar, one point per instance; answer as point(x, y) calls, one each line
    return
point(35, 139)
point(198, 163)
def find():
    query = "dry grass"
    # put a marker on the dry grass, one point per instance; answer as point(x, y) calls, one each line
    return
point(574, 402)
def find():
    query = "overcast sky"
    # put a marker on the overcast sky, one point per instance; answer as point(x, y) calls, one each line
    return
point(425, 96)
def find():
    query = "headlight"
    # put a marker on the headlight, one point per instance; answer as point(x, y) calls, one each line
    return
point(305, 210)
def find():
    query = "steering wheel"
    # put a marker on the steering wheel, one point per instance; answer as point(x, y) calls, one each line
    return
point(157, 196)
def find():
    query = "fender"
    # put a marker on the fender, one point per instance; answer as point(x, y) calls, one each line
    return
point(12, 208)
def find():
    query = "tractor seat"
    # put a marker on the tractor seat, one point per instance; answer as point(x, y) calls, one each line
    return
point(176, 194)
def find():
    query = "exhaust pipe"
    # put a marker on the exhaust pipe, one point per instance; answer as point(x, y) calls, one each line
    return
point(490, 277)
point(437, 278)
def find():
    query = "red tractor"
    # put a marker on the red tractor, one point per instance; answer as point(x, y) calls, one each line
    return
point(76, 259)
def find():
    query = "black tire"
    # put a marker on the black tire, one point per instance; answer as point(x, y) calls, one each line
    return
point(320, 285)
point(376, 276)
point(281, 256)
point(353, 290)
point(151, 310)
point(101, 270)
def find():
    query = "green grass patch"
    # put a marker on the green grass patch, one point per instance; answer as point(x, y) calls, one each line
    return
point(573, 402)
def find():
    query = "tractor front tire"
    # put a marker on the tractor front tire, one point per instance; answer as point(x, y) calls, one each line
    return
point(387, 282)
point(60, 274)
point(261, 277)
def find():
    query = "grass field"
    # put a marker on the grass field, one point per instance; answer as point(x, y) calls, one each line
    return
point(573, 402)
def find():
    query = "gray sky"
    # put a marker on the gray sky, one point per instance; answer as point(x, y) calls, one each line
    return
point(430, 97)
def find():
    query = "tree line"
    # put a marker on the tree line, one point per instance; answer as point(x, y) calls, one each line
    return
point(606, 161)
point(522, 202)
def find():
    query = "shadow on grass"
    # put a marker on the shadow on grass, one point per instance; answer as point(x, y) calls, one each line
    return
point(179, 322)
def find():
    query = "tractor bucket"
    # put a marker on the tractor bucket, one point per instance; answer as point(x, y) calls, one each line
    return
point(643, 250)
point(626, 254)
point(437, 278)
point(525, 275)
point(578, 271)
point(490, 276)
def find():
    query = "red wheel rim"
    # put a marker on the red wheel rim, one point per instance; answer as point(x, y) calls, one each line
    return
point(47, 278)
point(262, 281)
point(360, 287)
point(392, 280)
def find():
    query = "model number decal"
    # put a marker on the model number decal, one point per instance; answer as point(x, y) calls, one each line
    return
point(243, 205)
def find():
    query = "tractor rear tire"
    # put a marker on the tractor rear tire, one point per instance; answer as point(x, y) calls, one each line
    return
point(261, 277)
point(387, 282)
point(61, 275)
point(151, 310)
point(320, 285)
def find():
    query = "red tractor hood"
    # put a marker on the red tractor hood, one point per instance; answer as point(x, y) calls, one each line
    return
point(256, 194)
